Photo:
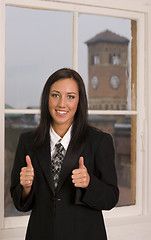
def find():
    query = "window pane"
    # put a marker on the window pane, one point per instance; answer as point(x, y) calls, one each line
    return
point(105, 62)
point(38, 42)
point(123, 130)
point(15, 124)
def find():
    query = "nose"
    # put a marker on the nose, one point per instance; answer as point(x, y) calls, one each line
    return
point(61, 102)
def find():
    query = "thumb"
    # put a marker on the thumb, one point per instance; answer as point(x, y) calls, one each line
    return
point(28, 161)
point(81, 162)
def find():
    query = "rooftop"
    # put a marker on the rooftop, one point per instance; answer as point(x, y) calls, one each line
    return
point(107, 36)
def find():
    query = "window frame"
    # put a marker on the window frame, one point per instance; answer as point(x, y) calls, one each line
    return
point(141, 206)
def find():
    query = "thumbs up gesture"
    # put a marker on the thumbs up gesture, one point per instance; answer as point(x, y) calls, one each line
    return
point(80, 176)
point(27, 175)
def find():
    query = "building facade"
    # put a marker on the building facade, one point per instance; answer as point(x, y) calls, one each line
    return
point(108, 71)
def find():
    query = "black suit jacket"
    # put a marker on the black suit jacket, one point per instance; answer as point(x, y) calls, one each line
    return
point(73, 213)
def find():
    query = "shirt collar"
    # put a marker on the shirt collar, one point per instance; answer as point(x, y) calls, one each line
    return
point(55, 138)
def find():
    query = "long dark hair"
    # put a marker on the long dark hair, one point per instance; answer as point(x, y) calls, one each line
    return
point(80, 122)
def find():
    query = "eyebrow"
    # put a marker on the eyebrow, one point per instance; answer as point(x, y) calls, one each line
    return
point(67, 93)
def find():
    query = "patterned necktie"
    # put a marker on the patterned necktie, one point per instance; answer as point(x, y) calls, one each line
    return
point(56, 163)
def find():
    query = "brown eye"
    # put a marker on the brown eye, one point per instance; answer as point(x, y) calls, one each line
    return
point(54, 95)
point(71, 96)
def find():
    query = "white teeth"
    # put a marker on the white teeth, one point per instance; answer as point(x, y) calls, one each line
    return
point(61, 112)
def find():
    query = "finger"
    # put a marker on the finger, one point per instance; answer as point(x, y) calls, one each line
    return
point(27, 174)
point(28, 161)
point(27, 170)
point(81, 162)
point(80, 183)
point(26, 177)
point(26, 180)
point(26, 183)
point(78, 180)
point(76, 171)
point(79, 171)
point(79, 175)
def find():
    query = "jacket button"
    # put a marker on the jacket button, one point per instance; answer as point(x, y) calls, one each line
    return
point(59, 199)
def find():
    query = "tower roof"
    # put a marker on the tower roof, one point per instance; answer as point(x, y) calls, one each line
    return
point(107, 37)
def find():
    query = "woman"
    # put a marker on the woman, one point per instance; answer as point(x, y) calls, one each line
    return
point(66, 204)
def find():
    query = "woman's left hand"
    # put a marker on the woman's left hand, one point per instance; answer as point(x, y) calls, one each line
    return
point(80, 176)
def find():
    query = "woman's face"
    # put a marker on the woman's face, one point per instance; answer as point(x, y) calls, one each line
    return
point(63, 102)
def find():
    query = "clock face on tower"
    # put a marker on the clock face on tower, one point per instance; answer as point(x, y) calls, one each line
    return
point(94, 82)
point(115, 82)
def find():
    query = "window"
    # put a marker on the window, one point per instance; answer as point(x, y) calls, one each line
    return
point(95, 60)
point(114, 59)
point(36, 50)
point(95, 82)
point(114, 81)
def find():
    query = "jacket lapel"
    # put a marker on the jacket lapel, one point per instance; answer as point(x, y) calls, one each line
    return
point(44, 158)
point(68, 164)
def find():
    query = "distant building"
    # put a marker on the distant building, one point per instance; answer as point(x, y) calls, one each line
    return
point(108, 71)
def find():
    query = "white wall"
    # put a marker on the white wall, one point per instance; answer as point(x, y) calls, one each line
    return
point(141, 231)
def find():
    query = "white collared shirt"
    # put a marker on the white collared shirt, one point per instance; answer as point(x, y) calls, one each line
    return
point(55, 138)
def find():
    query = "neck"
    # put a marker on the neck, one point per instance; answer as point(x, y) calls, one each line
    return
point(60, 130)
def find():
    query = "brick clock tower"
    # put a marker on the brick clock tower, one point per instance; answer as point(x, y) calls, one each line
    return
point(108, 71)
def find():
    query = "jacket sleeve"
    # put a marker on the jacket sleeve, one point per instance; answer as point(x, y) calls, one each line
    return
point(16, 188)
point(102, 192)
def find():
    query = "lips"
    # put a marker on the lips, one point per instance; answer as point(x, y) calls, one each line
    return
point(61, 112)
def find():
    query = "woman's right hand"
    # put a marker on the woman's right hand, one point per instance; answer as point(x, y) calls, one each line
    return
point(27, 177)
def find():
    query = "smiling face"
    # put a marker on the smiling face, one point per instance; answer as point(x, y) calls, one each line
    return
point(63, 102)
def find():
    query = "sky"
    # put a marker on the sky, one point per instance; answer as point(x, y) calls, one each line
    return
point(39, 42)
